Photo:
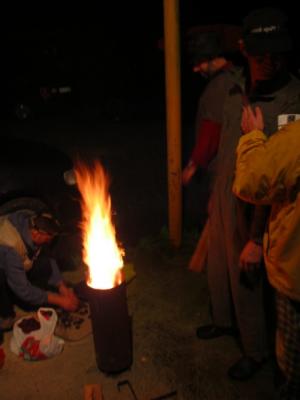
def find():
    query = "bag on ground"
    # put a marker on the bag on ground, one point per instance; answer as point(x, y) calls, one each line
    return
point(33, 336)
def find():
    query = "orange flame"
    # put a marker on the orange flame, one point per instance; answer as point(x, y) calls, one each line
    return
point(100, 250)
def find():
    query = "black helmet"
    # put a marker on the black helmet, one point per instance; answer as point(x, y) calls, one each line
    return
point(265, 31)
point(203, 46)
point(45, 222)
point(209, 41)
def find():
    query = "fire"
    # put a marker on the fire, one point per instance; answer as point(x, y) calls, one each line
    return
point(101, 252)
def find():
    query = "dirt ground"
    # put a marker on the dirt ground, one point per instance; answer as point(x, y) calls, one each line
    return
point(166, 301)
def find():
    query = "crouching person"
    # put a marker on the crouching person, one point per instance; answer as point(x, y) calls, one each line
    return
point(27, 274)
point(268, 172)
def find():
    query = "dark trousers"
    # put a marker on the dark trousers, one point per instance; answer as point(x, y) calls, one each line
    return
point(6, 304)
point(38, 275)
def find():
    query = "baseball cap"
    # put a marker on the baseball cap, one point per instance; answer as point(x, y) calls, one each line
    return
point(265, 31)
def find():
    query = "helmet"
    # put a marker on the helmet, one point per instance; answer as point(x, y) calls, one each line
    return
point(45, 222)
point(210, 41)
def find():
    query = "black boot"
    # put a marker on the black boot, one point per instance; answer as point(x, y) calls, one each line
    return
point(212, 331)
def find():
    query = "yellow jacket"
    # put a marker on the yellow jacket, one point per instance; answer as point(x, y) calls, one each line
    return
point(268, 172)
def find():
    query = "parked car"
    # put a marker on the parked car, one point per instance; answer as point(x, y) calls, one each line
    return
point(38, 76)
point(27, 99)
point(32, 177)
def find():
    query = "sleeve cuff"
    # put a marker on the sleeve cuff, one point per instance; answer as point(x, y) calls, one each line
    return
point(255, 134)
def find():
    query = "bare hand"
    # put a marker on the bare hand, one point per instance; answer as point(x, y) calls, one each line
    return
point(251, 256)
point(69, 303)
point(188, 173)
point(65, 291)
point(252, 120)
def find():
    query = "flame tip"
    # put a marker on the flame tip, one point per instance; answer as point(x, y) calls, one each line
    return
point(102, 254)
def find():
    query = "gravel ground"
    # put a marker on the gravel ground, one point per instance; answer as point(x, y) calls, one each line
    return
point(166, 301)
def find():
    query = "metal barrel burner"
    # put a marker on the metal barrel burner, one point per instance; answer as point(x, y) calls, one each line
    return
point(112, 330)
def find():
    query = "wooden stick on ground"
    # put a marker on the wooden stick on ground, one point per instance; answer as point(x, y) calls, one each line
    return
point(93, 392)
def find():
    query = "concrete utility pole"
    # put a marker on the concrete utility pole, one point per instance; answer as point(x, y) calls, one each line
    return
point(173, 104)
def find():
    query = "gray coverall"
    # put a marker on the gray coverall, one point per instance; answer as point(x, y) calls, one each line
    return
point(210, 108)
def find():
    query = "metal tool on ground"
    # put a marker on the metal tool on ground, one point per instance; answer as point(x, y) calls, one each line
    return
point(126, 382)
point(161, 397)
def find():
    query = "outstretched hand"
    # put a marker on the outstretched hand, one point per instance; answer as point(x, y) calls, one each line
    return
point(252, 119)
point(251, 256)
point(69, 302)
point(188, 173)
point(65, 298)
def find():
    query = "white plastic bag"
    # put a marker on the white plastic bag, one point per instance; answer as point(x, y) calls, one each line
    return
point(33, 337)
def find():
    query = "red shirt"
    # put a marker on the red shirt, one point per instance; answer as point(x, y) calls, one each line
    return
point(207, 143)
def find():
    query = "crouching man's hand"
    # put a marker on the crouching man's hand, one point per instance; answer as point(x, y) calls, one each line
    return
point(64, 290)
point(67, 301)
point(70, 302)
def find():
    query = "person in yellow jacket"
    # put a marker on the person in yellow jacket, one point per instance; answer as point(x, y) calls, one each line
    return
point(268, 173)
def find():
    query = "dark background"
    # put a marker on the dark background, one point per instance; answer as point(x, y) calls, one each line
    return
point(111, 55)
point(110, 52)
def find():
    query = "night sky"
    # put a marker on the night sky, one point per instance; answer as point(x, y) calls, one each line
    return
point(109, 52)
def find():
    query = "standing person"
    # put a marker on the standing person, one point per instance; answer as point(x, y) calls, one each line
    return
point(268, 172)
point(27, 274)
point(211, 49)
point(235, 229)
point(213, 53)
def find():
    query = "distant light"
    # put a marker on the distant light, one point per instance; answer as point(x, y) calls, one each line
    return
point(65, 89)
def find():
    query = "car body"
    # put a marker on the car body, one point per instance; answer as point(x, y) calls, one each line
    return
point(34, 169)
point(32, 177)
point(38, 75)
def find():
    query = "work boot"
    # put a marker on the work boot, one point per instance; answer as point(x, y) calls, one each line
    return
point(207, 332)
point(244, 368)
